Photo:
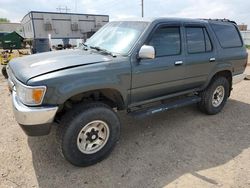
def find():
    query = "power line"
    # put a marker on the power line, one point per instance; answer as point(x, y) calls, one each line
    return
point(62, 9)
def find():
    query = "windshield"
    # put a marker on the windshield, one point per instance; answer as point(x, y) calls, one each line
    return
point(117, 37)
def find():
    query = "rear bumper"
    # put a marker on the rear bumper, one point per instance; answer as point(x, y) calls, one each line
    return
point(238, 78)
point(35, 121)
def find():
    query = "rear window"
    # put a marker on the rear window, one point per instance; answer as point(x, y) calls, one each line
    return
point(227, 35)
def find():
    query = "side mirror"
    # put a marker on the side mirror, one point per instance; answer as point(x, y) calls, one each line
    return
point(147, 52)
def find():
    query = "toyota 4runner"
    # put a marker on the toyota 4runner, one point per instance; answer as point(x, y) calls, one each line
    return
point(141, 66)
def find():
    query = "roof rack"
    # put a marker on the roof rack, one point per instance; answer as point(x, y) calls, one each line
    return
point(222, 20)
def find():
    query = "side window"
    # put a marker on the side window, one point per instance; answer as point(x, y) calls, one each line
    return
point(198, 40)
point(227, 35)
point(166, 41)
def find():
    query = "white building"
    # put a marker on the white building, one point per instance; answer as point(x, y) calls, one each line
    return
point(246, 36)
point(38, 25)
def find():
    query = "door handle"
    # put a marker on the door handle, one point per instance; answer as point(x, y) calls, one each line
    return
point(212, 59)
point(178, 63)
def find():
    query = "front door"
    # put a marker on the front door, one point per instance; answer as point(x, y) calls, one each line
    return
point(152, 78)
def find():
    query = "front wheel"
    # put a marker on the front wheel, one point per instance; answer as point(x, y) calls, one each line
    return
point(214, 97)
point(88, 133)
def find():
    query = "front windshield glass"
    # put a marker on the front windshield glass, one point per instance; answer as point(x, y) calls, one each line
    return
point(117, 37)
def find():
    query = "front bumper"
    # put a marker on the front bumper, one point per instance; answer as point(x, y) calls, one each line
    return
point(35, 121)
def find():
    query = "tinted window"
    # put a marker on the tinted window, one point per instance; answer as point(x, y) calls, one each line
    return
point(198, 40)
point(166, 41)
point(195, 40)
point(227, 35)
point(207, 41)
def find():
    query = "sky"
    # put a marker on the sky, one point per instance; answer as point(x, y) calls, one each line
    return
point(237, 10)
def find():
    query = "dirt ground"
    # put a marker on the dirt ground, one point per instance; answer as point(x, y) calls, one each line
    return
point(179, 148)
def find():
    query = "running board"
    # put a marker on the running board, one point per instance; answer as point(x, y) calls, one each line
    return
point(165, 107)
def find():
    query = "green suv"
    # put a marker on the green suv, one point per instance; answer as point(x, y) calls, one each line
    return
point(142, 67)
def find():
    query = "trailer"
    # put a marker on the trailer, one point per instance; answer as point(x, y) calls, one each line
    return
point(39, 27)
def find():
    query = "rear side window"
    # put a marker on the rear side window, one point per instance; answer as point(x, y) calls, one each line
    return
point(227, 35)
point(198, 40)
point(166, 41)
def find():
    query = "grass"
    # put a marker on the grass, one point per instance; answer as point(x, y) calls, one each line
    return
point(248, 47)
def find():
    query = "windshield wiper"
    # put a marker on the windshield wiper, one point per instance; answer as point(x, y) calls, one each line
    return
point(103, 50)
point(85, 46)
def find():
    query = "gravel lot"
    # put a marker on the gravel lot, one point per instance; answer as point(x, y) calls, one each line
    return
point(179, 148)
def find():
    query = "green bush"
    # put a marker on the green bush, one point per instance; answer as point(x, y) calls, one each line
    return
point(248, 46)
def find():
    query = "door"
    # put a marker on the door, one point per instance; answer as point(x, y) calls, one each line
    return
point(152, 78)
point(200, 55)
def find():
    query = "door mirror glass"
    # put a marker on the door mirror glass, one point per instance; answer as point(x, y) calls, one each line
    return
point(147, 52)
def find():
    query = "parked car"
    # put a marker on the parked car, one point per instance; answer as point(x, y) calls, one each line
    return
point(135, 66)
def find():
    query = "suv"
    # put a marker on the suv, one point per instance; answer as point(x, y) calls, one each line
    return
point(142, 67)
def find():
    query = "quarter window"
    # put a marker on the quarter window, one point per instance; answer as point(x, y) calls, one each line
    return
point(227, 35)
point(166, 41)
point(207, 41)
point(198, 40)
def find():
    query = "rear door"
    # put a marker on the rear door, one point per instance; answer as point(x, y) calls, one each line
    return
point(200, 54)
point(231, 48)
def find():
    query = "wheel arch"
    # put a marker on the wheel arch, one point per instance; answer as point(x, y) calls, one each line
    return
point(109, 96)
point(227, 73)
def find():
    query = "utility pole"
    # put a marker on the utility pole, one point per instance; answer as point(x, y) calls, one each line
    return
point(76, 6)
point(142, 8)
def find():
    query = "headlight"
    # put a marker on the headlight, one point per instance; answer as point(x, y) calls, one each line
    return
point(30, 95)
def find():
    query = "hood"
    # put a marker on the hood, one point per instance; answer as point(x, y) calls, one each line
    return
point(25, 68)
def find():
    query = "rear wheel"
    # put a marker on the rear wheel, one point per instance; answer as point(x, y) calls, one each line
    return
point(88, 133)
point(214, 97)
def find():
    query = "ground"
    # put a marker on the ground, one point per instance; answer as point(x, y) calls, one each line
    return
point(179, 148)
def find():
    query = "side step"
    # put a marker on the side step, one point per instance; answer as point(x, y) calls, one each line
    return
point(164, 107)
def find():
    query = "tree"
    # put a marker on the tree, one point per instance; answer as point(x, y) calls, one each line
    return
point(4, 20)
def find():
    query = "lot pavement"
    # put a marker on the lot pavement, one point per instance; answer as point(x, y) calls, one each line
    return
point(179, 148)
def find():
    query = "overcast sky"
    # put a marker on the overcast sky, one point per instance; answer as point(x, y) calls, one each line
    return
point(238, 10)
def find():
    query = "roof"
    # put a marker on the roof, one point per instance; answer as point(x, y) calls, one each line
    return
point(172, 19)
point(10, 23)
point(164, 19)
point(41, 12)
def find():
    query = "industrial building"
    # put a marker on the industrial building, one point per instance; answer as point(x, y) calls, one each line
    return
point(40, 26)
point(246, 37)
point(242, 27)
point(6, 28)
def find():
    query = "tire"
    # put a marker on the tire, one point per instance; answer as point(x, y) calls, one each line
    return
point(208, 103)
point(4, 72)
point(82, 116)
